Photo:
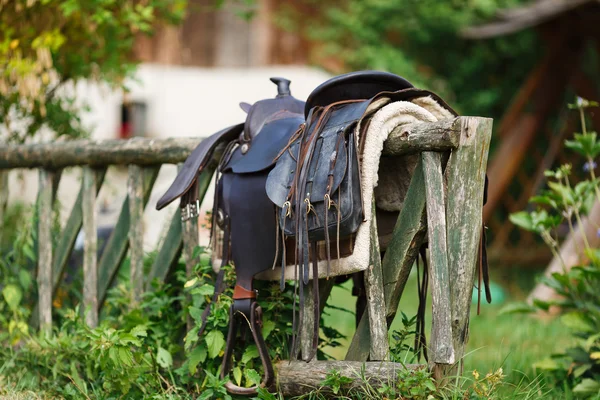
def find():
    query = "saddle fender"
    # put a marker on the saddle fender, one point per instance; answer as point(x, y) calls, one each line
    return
point(196, 162)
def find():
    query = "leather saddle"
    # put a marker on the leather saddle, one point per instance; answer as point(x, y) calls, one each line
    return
point(288, 158)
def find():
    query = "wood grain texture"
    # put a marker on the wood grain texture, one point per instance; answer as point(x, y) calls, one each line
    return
point(135, 193)
point(90, 247)
point(439, 136)
point(403, 249)
point(138, 151)
point(380, 348)
point(296, 378)
point(308, 320)
point(465, 175)
point(44, 270)
point(441, 350)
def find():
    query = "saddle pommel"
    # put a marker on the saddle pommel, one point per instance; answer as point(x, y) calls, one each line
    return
point(283, 86)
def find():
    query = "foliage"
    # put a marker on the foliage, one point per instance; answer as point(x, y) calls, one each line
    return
point(564, 202)
point(144, 350)
point(49, 45)
point(420, 40)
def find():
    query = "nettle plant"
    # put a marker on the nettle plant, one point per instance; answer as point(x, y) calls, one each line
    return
point(567, 202)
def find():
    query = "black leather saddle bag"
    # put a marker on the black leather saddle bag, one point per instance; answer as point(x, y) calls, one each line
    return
point(316, 181)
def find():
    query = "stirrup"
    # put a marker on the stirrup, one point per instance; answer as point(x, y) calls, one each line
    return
point(243, 311)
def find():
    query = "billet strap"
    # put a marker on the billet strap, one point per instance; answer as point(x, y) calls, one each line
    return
point(246, 311)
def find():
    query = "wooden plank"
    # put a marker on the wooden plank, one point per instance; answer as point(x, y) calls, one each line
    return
point(67, 240)
point(296, 378)
point(90, 248)
point(402, 251)
point(308, 320)
point(398, 261)
point(169, 253)
point(118, 243)
point(380, 348)
point(135, 193)
point(414, 138)
point(441, 350)
point(465, 179)
point(139, 151)
point(44, 275)
point(147, 152)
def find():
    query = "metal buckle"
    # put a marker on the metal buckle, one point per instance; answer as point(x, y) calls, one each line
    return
point(191, 210)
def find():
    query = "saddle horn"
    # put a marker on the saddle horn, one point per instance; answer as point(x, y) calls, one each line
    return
point(283, 86)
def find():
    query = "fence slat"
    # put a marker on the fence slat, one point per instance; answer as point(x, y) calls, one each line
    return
point(118, 243)
point(465, 177)
point(135, 190)
point(409, 233)
point(44, 275)
point(169, 252)
point(441, 350)
point(90, 248)
point(380, 348)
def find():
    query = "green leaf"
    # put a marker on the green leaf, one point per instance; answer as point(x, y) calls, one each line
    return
point(25, 279)
point(196, 357)
point(582, 369)
point(195, 313)
point(13, 296)
point(267, 328)
point(139, 331)
point(252, 377)
point(214, 342)
point(164, 358)
point(237, 375)
point(207, 394)
point(523, 220)
point(587, 387)
point(204, 290)
point(250, 353)
point(126, 356)
point(205, 259)
point(577, 322)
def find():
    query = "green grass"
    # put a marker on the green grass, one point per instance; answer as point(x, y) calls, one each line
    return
point(512, 342)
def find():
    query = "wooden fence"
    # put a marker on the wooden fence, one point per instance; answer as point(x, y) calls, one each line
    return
point(442, 206)
point(144, 158)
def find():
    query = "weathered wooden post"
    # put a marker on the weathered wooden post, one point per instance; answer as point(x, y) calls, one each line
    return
point(90, 257)
point(44, 272)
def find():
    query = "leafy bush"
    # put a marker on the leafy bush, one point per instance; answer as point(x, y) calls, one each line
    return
point(49, 45)
point(566, 202)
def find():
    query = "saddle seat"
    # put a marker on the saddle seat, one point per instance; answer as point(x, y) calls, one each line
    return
point(353, 86)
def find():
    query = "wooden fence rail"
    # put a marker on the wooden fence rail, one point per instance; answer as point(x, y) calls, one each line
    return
point(443, 205)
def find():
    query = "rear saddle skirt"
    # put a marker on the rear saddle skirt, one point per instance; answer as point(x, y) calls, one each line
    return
point(294, 187)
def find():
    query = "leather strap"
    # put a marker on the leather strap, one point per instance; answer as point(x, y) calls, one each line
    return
point(240, 293)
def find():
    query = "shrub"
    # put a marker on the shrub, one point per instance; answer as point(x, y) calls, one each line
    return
point(578, 368)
